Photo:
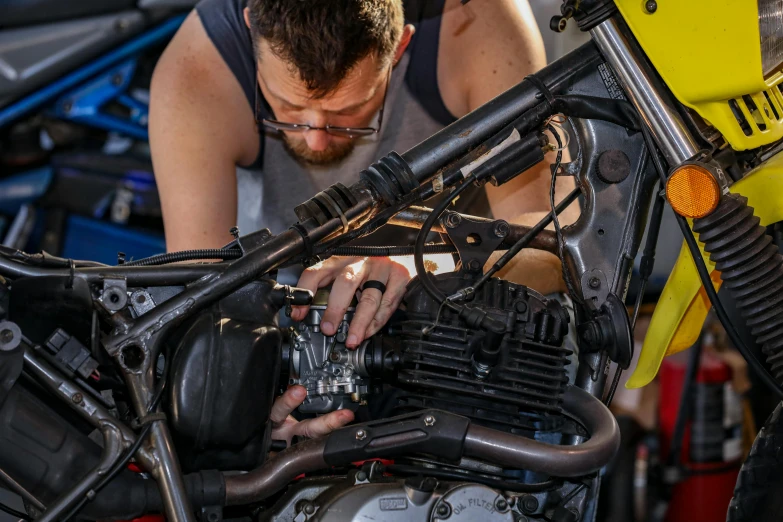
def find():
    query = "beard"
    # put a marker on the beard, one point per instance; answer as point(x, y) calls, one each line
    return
point(336, 151)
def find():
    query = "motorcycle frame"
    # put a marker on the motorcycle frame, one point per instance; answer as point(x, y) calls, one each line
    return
point(610, 260)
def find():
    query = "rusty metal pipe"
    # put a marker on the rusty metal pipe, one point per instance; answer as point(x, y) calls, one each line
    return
point(414, 217)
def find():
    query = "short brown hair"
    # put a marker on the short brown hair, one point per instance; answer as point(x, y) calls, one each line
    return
point(324, 39)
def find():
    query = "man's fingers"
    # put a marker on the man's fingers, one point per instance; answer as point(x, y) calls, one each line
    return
point(395, 291)
point(369, 302)
point(318, 276)
point(286, 403)
point(342, 293)
point(323, 425)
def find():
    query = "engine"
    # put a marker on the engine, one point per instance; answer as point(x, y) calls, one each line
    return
point(431, 358)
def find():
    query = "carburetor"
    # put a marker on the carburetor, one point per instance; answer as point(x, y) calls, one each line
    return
point(334, 376)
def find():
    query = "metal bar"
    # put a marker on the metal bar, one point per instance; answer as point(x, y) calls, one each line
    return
point(85, 405)
point(112, 450)
point(166, 471)
point(275, 474)
point(20, 490)
point(471, 130)
point(667, 127)
point(135, 276)
point(414, 217)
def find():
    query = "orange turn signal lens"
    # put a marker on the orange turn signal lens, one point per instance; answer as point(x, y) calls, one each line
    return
point(692, 191)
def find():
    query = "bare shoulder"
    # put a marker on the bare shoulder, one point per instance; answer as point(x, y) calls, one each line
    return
point(486, 47)
point(191, 82)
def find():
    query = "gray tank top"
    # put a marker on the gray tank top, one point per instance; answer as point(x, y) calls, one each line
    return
point(277, 182)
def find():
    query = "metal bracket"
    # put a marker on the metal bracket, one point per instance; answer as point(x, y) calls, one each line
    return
point(475, 240)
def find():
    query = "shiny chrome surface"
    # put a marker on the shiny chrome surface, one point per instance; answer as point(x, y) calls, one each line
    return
point(667, 127)
point(515, 451)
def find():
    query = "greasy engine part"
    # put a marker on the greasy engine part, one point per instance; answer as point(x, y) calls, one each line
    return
point(751, 266)
point(439, 361)
point(394, 500)
point(334, 376)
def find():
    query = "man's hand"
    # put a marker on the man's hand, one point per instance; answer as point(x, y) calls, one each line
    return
point(348, 274)
point(285, 427)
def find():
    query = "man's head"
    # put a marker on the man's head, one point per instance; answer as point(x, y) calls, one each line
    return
point(325, 62)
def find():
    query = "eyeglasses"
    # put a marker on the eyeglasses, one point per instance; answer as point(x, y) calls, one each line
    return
point(343, 132)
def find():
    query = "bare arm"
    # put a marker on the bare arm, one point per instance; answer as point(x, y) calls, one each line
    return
point(488, 47)
point(200, 127)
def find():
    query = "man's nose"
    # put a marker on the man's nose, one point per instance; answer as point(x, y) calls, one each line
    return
point(317, 140)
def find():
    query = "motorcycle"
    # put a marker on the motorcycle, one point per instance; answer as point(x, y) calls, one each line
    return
point(478, 408)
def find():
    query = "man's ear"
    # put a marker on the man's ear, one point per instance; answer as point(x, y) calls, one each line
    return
point(407, 34)
point(246, 13)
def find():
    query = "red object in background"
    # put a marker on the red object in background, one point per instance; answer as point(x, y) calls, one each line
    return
point(712, 443)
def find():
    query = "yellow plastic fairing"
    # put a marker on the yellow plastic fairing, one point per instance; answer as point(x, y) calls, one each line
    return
point(709, 54)
point(683, 306)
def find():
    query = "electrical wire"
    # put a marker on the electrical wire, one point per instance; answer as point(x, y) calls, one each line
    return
point(418, 255)
point(558, 231)
point(14, 513)
point(706, 281)
point(645, 270)
point(226, 254)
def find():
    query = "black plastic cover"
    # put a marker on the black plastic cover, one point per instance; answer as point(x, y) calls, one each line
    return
point(224, 381)
point(431, 432)
point(40, 305)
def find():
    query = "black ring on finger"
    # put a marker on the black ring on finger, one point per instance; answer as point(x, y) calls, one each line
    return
point(374, 284)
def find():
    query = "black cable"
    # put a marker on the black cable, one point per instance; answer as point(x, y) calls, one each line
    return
point(558, 232)
point(526, 239)
point(706, 282)
point(226, 254)
point(390, 251)
point(645, 270)
point(518, 487)
point(418, 255)
point(14, 513)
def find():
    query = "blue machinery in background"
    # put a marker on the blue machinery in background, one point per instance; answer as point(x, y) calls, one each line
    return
point(80, 95)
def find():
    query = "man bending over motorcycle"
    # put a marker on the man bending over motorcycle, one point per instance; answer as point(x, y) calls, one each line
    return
point(257, 105)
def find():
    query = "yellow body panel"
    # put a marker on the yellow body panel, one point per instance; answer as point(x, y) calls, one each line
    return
point(709, 54)
point(683, 306)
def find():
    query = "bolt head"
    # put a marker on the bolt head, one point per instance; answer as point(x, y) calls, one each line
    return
point(594, 283)
point(361, 435)
point(501, 504)
point(442, 510)
point(429, 420)
point(651, 6)
point(334, 357)
point(361, 476)
point(77, 398)
point(309, 509)
point(234, 231)
point(529, 503)
point(501, 229)
point(521, 307)
point(453, 220)
point(474, 265)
